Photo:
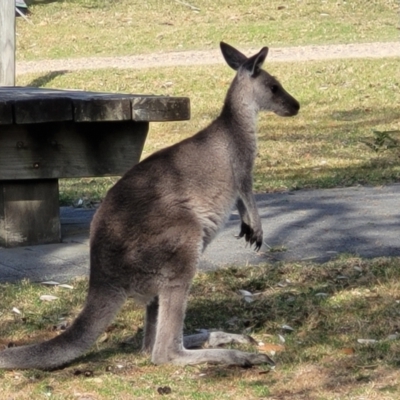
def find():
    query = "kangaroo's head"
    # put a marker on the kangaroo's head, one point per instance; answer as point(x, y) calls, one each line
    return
point(265, 90)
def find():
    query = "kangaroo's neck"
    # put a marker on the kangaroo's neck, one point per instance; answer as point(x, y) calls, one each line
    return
point(239, 116)
point(240, 110)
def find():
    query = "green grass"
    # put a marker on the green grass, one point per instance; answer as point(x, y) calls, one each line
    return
point(71, 28)
point(320, 359)
point(342, 103)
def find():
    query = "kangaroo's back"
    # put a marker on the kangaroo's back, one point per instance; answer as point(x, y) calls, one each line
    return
point(149, 232)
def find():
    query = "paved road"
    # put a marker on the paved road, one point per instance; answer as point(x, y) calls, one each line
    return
point(313, 225)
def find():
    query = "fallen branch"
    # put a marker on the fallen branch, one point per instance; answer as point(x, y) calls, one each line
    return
point(188, 5)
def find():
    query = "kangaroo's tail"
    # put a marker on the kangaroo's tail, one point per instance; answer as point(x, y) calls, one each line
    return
point(101, 306)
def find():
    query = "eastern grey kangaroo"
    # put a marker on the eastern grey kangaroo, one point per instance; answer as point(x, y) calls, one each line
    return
point(149, 232)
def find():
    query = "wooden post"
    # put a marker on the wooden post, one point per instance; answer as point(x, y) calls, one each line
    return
point(7, 42)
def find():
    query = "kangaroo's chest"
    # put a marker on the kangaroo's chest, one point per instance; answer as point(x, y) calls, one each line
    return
point(212, 219)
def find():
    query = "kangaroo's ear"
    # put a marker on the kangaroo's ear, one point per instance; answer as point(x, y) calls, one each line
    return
point(254, 63)
point(234, 58)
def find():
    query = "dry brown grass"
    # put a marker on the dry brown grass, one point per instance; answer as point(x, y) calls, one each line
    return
point(320, 359)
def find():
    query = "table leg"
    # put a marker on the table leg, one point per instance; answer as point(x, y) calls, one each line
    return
point(29, 212)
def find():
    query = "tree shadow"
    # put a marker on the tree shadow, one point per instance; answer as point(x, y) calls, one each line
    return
point(40, 2)
point(324, 223)
point(43, 80)
point(355, 114)
point(44, 2)
point(318, 321)
point(348, 121)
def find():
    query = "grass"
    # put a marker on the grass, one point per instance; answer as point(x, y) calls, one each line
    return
point(71, 28)
point(342, 103)
point(329, 307)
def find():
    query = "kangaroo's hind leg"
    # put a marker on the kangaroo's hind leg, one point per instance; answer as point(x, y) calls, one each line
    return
point(169, 341)
point(169, 348)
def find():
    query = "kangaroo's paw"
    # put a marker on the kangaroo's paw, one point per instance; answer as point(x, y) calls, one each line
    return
point(252, 236)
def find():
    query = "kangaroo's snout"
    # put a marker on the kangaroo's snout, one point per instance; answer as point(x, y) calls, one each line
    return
point(290, 108)
point(294, 109)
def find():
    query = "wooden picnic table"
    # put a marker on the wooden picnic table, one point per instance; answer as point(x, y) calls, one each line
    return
point(48, 134)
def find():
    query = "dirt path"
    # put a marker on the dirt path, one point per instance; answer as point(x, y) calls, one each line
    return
point(301, 53)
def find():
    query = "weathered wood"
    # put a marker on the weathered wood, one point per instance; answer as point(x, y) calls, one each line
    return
point(46, 109)
point(33, 105)
point(7, 42)
point(29, 213)
point(160, 109)
point(102, 110)
point(69, 149)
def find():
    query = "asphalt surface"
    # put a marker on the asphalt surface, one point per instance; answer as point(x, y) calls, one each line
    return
point(315, 225)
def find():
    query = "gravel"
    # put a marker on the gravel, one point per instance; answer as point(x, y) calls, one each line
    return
point(164, 59)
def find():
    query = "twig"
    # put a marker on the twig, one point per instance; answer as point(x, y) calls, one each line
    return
point(23, 16)
point(188, 5)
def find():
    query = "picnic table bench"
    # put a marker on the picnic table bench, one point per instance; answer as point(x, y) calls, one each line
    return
point(48, 134)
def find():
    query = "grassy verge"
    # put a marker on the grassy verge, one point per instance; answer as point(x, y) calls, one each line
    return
point(70, 28)
point(342, 103)
point(330, 308)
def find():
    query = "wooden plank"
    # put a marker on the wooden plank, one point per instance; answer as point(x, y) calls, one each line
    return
point(157, 108)
point(29, 213)
point(43, 109)
point(35, 105)
point(102, 109)
point(7, 43)
point(66, 150)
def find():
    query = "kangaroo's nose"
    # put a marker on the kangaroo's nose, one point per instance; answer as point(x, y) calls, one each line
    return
point(295, 107)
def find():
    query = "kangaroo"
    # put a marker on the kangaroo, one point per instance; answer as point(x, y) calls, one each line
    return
point(149, 232)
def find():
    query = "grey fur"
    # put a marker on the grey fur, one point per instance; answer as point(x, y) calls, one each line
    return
point(149, 232)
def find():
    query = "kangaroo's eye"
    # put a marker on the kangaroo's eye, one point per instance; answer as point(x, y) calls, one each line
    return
point(274, 88)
